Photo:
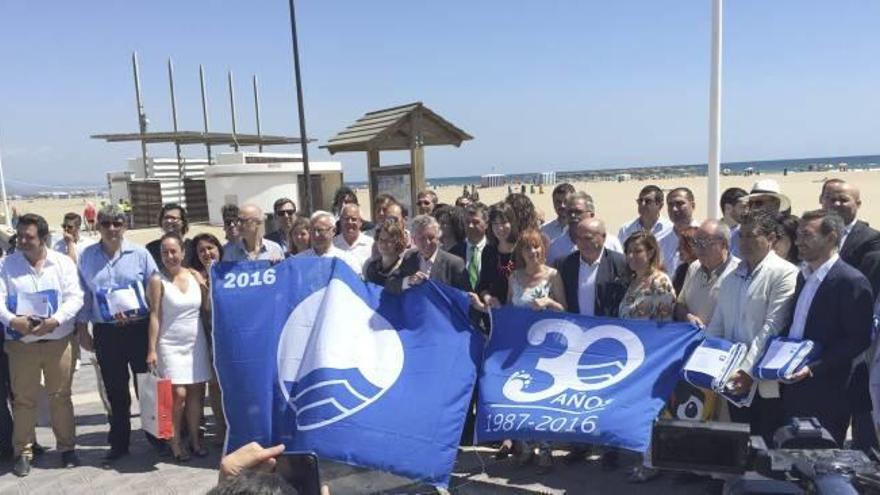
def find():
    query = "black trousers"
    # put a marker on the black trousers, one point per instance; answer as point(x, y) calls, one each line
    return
point(118, 349)
point(863, 434)
point(5, 397)
point(764, 416)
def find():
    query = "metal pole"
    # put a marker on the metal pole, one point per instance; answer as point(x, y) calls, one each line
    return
point(304, 144)
point(714, 168)
point(142, 117)
point(180, 169)
point(3, 191)
point(204, 109)
point(257, 109)
point(232, 108)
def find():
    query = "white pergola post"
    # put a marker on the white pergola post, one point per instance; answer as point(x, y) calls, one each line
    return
point(713, 209)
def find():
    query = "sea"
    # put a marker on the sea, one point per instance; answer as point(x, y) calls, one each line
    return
point(791, 165)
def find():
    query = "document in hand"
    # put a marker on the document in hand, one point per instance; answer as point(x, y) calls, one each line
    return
point(713, 363)
point(784, 357)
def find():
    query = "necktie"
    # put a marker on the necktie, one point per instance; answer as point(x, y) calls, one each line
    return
point(473, 269)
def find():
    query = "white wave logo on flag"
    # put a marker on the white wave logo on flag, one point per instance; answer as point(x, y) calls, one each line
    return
point(336, 356)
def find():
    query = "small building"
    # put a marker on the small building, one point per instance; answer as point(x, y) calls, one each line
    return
point(261, 178)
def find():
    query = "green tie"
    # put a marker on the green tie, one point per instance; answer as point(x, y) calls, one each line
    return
point(473, 269)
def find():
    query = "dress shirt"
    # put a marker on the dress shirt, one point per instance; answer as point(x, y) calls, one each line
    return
point(734, 241)
point(628, 229)
point(57, 274)
point(553, 229)
point(753, 307)
point(812, 281)
point(700, 290)
point(563, 246)
point(81, 245)
point(235, 251)
point(362, 249)
point(846, 231)
point(131, 264)
point(470, 247)
point(335, 252)
point(587, 284)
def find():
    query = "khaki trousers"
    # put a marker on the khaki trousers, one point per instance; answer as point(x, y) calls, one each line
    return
point(28, 363)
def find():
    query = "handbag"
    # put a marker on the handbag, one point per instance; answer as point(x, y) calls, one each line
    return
point(156, 402)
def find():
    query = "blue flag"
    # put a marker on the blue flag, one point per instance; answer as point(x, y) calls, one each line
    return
point(309, 355)
point(566, 377)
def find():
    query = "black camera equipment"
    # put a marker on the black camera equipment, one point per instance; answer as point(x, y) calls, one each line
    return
point(805, 457)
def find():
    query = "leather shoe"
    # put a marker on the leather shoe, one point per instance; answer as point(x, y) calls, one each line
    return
point(37, 449)
point(22, 466)
point(69, 459)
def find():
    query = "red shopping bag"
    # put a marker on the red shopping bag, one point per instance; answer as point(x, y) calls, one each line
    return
point(155, 400)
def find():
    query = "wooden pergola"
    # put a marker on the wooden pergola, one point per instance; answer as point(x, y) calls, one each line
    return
point(406, 127)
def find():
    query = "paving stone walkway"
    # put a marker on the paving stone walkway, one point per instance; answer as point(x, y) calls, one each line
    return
point(145, 472)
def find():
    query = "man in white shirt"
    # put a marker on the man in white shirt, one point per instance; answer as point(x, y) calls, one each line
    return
point(578, 206)
point(322, 232)
point(41, 296)
point(680, 208)
point(650, 204)
point(699, 294)
point(358, 245)
point(834, 310)
point(73, 243)
point(556, 227)
point(754, 304)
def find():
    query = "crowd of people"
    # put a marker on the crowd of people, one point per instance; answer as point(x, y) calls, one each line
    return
point(758, 272)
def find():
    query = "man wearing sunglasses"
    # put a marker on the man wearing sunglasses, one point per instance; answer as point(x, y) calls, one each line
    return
point(73, 243)
point(650, 204)
point(251, 244)
point(113, 274)
point(172, 218)
point(285, 217)
point(425, 202)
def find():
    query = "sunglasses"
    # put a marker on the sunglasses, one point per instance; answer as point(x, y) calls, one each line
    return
point(229, 222)
point(285, 213)
point(116, 223)
point(424, 203)
point(68, 227)
point(646, 201)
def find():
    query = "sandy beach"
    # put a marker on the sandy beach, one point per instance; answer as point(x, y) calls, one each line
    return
point(615, 201)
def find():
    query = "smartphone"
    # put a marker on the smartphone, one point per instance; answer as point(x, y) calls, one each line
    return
point(300, 469)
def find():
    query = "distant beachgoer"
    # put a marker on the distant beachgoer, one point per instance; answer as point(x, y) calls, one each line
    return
point(90, 213)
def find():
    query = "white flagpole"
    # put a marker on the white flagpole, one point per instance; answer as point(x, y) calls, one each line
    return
point(713, 209)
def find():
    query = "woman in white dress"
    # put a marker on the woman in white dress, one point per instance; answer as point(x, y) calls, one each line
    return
point(178, 348)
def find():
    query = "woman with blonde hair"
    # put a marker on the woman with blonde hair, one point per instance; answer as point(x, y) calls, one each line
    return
point(535, 285)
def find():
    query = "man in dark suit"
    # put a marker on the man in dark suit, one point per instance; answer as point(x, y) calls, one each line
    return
point(834, 308)
point(594, 278)
point(428, 261)
point(860, 247)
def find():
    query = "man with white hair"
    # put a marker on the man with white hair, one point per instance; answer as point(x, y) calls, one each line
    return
point(351, 240)
point(322, 230)
point(251, 245)
point(428, 261)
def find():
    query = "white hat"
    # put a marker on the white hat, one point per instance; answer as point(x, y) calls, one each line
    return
point(769, 187)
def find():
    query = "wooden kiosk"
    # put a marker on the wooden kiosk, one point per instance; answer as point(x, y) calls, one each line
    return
point(406, 127)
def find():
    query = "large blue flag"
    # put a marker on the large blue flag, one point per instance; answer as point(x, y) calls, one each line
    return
point(309, 355)
point(566, 377)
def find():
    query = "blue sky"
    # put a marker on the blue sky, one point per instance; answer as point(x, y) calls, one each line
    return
point(548, 85)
